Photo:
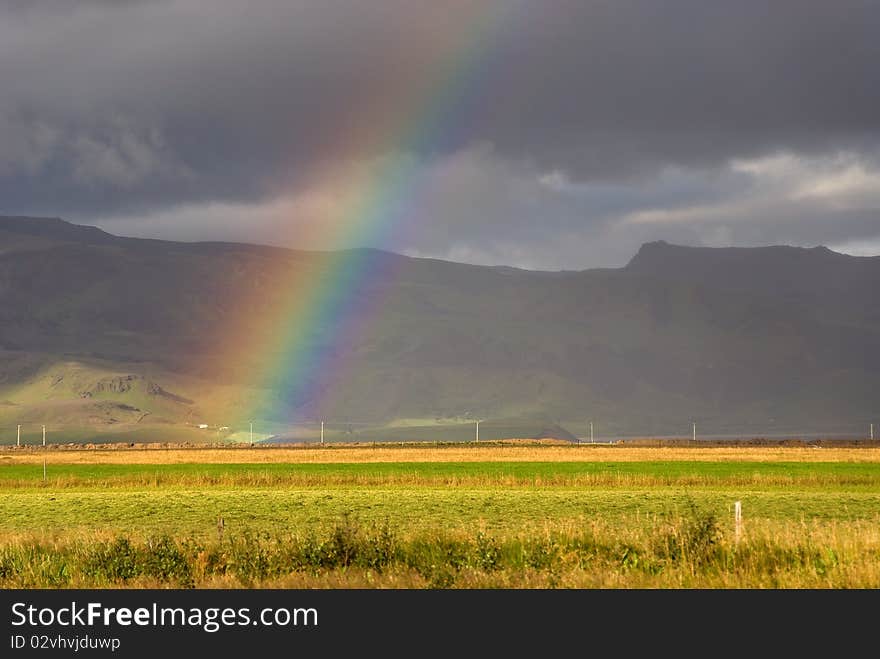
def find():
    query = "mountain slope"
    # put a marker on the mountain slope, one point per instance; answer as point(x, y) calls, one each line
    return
point(751, 340)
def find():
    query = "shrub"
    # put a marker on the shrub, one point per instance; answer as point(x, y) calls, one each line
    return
point(114, 561)
point(163, 559)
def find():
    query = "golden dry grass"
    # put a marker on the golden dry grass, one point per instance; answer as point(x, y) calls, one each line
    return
point(796, 555)
point(416, 453)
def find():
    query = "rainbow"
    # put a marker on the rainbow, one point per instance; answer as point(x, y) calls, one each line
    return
point(372, 209)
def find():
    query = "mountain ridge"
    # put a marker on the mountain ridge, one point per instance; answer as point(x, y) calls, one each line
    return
point(746, 338)
point(645, 257)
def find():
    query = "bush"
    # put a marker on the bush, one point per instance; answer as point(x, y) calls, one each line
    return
point(116, 561)
point(693, 541)
point(163, 559)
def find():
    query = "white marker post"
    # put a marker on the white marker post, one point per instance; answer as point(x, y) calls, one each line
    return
point(478, 430)
point(44, 435)
point(252, 434)
point(18, 437)
point(738, 519)
point(695, 431)
point(591, 432)
point(322, 433)
point(872, 432)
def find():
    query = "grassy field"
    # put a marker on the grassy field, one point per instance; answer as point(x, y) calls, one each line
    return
point(441, 516)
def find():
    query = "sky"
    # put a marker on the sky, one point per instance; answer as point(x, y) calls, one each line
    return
point(543, 134)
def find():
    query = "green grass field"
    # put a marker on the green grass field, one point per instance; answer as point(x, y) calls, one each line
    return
point(669, 472)
point(599, 520)
point(189, 512)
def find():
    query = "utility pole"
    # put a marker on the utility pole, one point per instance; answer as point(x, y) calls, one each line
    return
point(322, 433)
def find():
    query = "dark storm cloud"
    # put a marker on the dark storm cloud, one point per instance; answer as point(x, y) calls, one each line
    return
point(135, 109)
point(697, 82)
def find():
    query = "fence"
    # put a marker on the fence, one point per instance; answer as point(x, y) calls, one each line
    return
point(438, 431)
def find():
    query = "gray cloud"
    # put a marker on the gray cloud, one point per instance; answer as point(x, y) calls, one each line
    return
point(551, 133)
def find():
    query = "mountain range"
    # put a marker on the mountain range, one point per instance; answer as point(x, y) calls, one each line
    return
point(123, 338)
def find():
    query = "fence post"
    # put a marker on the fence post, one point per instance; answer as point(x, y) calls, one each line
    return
point(738, 519)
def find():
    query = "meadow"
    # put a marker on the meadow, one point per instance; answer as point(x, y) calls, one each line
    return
point(450, 516)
